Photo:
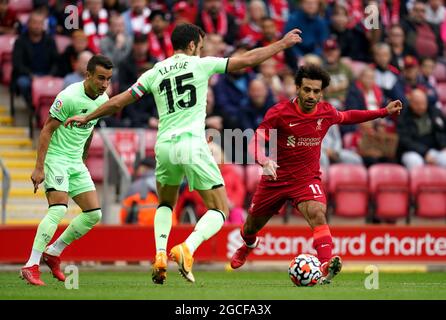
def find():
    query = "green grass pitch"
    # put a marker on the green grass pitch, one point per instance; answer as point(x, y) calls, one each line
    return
point(240, 285)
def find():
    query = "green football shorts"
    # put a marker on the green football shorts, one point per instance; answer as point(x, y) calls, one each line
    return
point(68, 175)
point(189, 156)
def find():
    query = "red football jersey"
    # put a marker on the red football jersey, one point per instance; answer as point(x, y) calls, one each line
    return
point(299, 138)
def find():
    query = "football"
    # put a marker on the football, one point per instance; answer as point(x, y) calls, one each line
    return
point(304, 270)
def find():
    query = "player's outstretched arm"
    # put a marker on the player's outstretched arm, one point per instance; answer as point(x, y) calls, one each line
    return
point(49, 127)
point(112, 106)
point(358, 116)
point(256, 56)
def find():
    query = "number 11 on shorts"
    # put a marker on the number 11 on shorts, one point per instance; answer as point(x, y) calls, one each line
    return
point(316, 190)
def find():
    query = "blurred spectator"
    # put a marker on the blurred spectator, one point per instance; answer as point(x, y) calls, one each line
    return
point(289, 87)
point(8, 18)
point(398, 46)
point(313, 26)
point(235, 189)
point(270, 34)
point(80, 69)
point(386, 75)
point(142, 113)
point(137, 18)
point(213, 119)
point(374, 143)
point(260, 100)
point(160, 46)
point(421, 35)
point(352, 41)
point(389, 12)
point(340, 74)
point(115, 6)
point(363, 94)
point(95, 23)
point(412, 79)
point(427, 71)
point(333, 152)
point(311, 59)
point(50, 17)
point(214, 19)
point(435, 12)
point(422, 133)
point(34, 54)
point(214, 46)
point(231, 93)
point(279, 11)
point(185, 12)
point(251, 31)
point(237, 9)
point(268, 73)
point(140, 203)
point(117, 44)
point(79, 43)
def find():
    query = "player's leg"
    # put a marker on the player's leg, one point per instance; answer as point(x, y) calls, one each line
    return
point(82, 191)
point(204, 176)
point(56, 186)
point(169, 176)
point(315, 214)
point(265, 203)
point(57, 208)
point(167, 196)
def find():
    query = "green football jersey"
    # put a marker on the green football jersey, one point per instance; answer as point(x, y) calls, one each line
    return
point(179, 85)
point(72, 101)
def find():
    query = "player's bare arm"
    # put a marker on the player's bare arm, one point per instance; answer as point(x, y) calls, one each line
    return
point(49, 127)
point(256, 56)
point(112, 106)
point(87, 146)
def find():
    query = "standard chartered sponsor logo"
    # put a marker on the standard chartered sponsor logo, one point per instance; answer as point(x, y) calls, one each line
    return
point(360, 245)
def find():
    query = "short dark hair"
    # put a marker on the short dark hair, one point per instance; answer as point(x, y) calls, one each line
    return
point(183, 34)
point(312, 72)
point(99, 60)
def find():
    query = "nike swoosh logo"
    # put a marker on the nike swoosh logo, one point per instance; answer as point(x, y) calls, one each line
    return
point(318, 196)
point(293, 124)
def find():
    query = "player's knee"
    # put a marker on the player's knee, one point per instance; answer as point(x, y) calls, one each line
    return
point(93, 216)
point(56, 212)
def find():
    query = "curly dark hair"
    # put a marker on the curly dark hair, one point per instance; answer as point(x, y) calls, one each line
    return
point(312, 72)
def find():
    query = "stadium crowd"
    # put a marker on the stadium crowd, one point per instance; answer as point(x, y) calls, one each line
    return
point(371, 59)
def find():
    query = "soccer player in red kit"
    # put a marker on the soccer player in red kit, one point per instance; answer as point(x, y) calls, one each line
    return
point(301, 124)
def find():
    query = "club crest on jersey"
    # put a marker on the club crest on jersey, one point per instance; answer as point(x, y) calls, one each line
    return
point(59, 179)
point(291, 141)
point(319, 124)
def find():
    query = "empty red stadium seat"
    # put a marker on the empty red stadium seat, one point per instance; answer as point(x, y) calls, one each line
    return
point(62, 42)
point(20, 6)
point(428, 188)
point(96, 167)
point(389, 188)
point(253, 175)
point(126, 142)
point(96, 146)
point(347, 184)
point(150, 142)
point(6, 46)
point(441, 89)
point(44, 90)
point(440, 72)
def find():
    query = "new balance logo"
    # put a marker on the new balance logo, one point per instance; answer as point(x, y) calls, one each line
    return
point(163, 236)
point(291, 141)
point(84, 110)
